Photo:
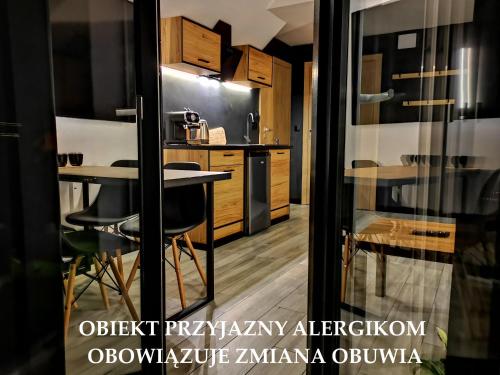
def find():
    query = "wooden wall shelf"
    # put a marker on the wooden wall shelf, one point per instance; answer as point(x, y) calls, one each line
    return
point(422, 103)
point(435, 73)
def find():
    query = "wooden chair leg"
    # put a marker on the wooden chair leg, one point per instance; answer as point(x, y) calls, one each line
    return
point(65, 286)
point(104, 291)
point(123, 288)
point(345, 267)
point(133, 271)
point(119, 261)
point(178, 272)
point(70, 294)
point(195, 258)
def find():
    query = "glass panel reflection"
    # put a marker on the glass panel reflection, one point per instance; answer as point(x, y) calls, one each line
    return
point(422, 180)
point(93, 54)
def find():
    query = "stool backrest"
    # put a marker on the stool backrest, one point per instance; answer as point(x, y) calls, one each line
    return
point(364, 164)
point(119, 199)
point(186, 204)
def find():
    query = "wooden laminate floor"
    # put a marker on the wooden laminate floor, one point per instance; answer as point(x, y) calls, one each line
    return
point(264, 277)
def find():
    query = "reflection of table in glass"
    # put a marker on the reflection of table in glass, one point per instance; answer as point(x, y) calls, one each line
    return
point(172, 178)
point(399, 235)
point(364, 182)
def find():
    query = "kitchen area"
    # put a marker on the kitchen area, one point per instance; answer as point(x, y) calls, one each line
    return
point(239, 121)
point(225, 123)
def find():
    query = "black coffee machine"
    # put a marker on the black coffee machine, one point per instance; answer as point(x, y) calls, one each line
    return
point(183, 127)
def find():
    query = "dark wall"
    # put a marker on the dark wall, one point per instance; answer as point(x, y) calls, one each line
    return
point(93, 54)
point(297, 56)
point(435, 47)
point(218, 105)
point(442, 47)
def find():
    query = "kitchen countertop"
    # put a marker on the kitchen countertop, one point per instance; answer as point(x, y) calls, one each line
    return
point(228, 147)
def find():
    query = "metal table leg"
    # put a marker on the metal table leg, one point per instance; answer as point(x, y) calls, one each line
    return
point(381, 273)
point(210, 242)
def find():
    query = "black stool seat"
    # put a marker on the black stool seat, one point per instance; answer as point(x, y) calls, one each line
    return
point(89, 242)
point(88, 217)
point(132, 228)
point(115, 202)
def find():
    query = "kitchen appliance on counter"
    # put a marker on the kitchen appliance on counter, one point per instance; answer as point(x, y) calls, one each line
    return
point(203, 132)
point(186, 127)
point(257, 205)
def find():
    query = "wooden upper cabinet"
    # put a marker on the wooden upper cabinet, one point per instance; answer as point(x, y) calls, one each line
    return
point(190, 47)
point(255, 68)
point(275, 106)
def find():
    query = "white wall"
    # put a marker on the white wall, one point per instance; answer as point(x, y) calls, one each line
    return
point(387, 142)
point(101, 142)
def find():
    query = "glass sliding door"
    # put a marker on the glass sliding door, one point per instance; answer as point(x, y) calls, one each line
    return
point(31, 284)
point(421, 183)
point(106, 95)
point(97, 144)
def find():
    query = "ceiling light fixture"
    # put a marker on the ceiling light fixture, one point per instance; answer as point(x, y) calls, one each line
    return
point(178, 74)
point(236, 87)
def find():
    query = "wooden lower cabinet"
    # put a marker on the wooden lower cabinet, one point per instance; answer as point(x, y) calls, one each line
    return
point(228, 194)
point(280, 183)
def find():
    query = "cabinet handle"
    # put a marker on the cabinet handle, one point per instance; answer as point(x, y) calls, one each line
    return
point(260, 77)
point(204, 61)
point(123, 112)
point(228, 154)
point(228, 170)
point(281, 153)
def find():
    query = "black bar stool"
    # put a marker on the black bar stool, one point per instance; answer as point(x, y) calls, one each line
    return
point(184, 209)
point(115, 203)
point(101, 248)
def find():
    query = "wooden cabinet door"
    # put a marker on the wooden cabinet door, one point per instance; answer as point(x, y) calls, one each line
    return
point(282, 101)
point(228, 196)
point(260, 66)
point(280, 178)
point(276, 106)
point(226, 157)
point(201, 46)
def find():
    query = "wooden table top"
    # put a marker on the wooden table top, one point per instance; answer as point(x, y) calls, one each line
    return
point(393, 175)
point(397, 232)
point(103, 175)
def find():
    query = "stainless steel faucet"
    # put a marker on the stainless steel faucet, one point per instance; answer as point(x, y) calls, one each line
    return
point(250, 119)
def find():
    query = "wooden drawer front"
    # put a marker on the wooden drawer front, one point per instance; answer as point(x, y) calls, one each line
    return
point(280, 195)
point(228, 230)
point(280, 167)
point(280, 212)
point(260, 67)
point(200, 46)
point(229, 157)
point(228, 196)
point(280, 178)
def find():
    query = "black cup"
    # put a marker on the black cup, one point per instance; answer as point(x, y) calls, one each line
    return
point(405, 159)
point(434, 160)
point(462, 160)
point(454, 161)
point(62, 160)
point(75, 159)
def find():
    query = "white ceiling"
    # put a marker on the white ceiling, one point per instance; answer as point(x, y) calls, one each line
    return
point(254, 22)
point(404, 15)
point(257, 22)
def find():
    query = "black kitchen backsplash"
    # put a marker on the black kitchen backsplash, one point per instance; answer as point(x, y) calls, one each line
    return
point(220, 106)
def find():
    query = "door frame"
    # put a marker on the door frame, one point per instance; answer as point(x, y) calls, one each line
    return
point(306, 133)
point(148, 84)
point(331, 27)
point(33, 339)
